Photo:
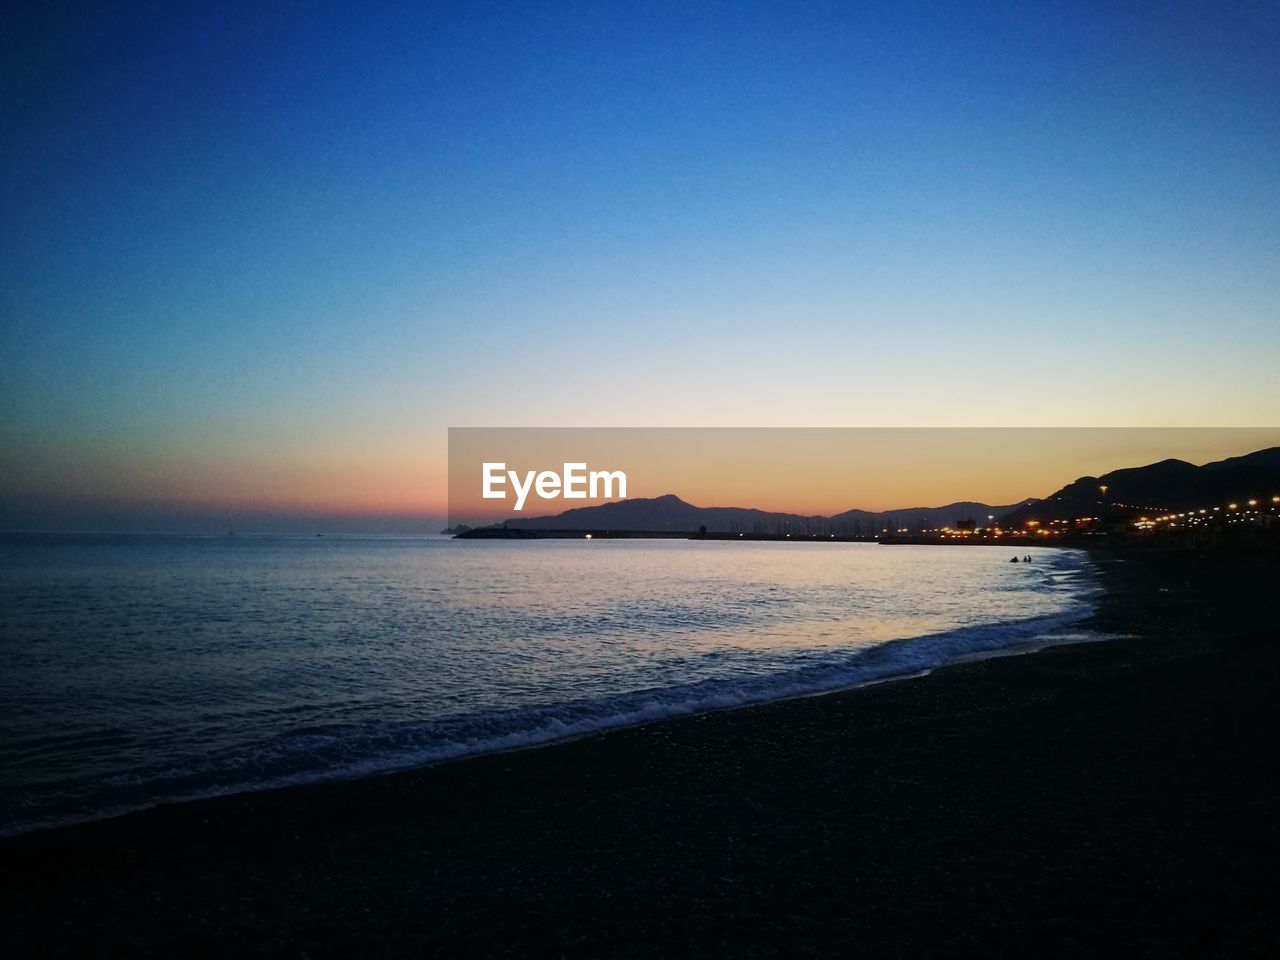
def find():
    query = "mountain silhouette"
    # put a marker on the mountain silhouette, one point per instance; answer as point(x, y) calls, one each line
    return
point(670, 513)
point(1155, 488)
point(1169, 485)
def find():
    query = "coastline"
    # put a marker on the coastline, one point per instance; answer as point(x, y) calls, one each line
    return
point(891, 660)
point(1091, 797)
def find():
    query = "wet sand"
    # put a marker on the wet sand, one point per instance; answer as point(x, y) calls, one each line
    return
point(1118, 798)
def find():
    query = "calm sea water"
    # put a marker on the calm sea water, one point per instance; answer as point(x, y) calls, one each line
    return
point(138, 670)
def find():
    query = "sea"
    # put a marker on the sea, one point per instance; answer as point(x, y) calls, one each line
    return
point(144, 670)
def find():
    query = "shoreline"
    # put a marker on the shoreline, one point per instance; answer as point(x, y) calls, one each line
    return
point(792, 825)
point(1042, 641)
point(1021, 649)
point(1067, 541)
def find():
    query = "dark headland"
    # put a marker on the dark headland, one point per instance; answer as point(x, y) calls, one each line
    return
point(1170, 496)
point(1116, 798)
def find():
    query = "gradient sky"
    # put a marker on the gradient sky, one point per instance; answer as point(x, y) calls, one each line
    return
point(261, 260)
point(824, 470)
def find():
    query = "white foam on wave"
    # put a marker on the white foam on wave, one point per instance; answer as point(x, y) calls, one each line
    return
point(897, 659)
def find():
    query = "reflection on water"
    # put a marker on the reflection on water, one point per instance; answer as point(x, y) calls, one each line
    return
point(137, 669)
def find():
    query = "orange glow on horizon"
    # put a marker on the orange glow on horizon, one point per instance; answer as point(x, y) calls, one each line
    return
point(784, 471)
point(821, 472)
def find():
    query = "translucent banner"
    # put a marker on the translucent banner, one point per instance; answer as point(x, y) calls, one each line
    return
point(854, 482)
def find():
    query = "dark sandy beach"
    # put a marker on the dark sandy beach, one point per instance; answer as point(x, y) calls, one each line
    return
point(1118, 798)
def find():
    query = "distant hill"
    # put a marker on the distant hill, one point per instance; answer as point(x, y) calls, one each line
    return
point(920, 518)
point(670, 513)
point(1154, 488)
point(1169, 485)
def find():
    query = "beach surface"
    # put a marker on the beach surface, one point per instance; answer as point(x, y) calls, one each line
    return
point(1116, 798)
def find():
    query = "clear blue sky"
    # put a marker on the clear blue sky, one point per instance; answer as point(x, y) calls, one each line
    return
point(268, 257)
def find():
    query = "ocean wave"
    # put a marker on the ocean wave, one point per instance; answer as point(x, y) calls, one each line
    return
point(309, 756)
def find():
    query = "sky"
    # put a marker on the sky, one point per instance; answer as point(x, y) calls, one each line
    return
point(813, 470)
point(256, 262)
